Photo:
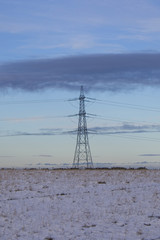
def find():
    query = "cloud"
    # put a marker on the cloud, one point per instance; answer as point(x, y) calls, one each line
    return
point(104, 72)
point(46, 164)
point(149, 155)
point(41, 132)
point(124, 129)
point(44, 156)
point(144, 162)
point(98, 130)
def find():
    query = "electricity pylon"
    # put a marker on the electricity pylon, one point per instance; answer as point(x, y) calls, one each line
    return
point(82, 156)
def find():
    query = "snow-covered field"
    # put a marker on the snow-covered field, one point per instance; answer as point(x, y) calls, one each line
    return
point(79, 204)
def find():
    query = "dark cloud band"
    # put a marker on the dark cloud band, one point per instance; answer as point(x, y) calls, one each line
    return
point(111, 72)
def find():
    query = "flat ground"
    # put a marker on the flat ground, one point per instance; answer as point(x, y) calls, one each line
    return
point(80, 204)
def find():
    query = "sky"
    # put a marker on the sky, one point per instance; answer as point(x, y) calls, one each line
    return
point(49, 48)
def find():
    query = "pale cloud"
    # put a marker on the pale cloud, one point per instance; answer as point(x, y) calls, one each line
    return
point(149, 26)
point(78, 26)
point(45, 46)
point(135, 36)
point(14, 27)
point(82, 41)
point(74, 15)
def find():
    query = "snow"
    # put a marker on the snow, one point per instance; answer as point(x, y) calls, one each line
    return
point(79, 204)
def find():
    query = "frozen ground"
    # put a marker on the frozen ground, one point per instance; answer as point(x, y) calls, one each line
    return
point(79, 204)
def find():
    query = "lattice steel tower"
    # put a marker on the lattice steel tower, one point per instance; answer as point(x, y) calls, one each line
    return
point(82, 156)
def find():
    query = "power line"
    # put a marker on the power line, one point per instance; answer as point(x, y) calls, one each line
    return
point(37, 101)
point(88, 115)
point(101, 117)
point(89, 100)
point(125, 105)
point(139, 138)
point(94, 116)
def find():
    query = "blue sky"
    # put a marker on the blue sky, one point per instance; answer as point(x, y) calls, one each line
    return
point(49, 49)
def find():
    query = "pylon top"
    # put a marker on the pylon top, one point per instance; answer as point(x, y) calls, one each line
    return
point(81, 93)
